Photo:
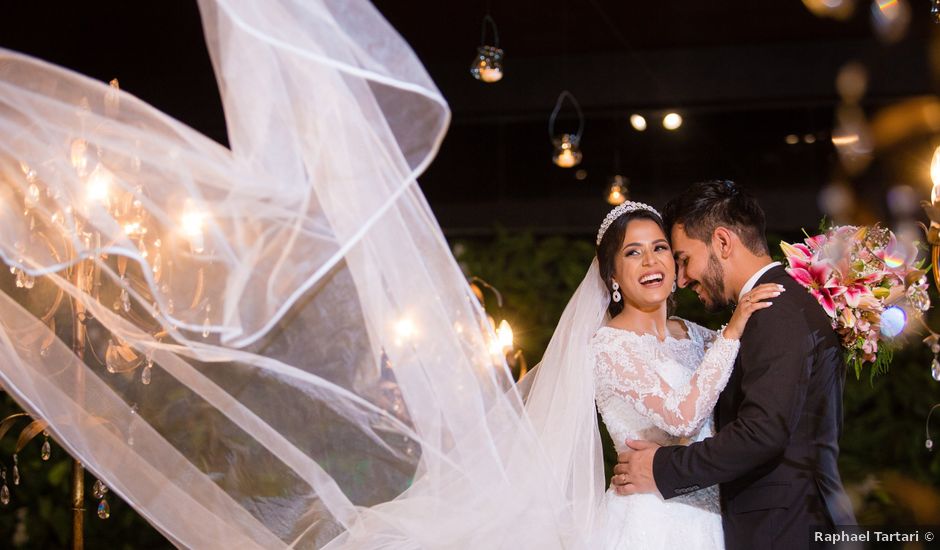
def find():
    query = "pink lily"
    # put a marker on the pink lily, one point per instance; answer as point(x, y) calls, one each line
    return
point(817, 242)
point(818, 278)
point(798, 255)
point(858, 288)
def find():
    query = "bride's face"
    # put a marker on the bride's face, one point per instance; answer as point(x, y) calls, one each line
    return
point(645, 268)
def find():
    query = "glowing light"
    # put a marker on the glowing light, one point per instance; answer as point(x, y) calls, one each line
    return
point(809, 138)
point(935, 167)
point(615, 197)
point(893, 320)
point(581, 175)
point(617, 190)
point(405, 328)
point(792, 139)
point(191, 226)
point(491, 74)
point(98, 185)
point(567, 153)
point(132, 228)
point(79, 156)
point(672, 121)
point(638, 122)
point(504, 335)
point(935, 194)
point(842, 141)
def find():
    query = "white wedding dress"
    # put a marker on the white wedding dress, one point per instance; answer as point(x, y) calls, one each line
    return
point(664, 392)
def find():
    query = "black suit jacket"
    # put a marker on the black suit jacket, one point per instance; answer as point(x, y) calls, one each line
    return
point(779, 420)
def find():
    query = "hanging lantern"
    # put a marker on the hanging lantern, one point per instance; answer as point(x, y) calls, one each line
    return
point(488, 64)
point(617, 190)
point(567, 146)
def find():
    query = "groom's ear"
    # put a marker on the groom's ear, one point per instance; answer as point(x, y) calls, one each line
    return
point(723, 242)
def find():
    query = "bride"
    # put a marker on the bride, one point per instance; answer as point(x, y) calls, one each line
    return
point(656, 377)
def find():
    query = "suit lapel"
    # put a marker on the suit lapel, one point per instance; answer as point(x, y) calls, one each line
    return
point(726, 409)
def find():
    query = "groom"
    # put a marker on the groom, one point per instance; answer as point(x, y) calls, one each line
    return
point(780, 416)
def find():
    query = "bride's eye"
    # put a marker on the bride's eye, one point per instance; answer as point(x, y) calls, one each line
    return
point(662, 247)
point(632, 252)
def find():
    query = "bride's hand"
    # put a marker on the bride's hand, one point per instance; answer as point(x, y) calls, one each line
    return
point(750, 302)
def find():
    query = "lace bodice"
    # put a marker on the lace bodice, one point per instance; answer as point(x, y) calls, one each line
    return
point(663, 392)
point(660, 391)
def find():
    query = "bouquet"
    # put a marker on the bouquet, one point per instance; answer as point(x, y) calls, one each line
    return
point(868, 283)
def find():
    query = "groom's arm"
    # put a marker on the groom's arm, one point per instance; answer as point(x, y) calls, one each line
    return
point(776, 361)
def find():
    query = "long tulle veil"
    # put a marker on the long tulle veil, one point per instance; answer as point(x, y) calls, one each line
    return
point(271, 346)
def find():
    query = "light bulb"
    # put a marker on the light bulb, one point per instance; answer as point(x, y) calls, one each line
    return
point(672, 121)
point(638, 122)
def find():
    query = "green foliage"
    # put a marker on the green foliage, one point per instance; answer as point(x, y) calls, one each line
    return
point(535, 276)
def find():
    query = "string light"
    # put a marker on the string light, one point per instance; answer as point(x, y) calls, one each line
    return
point(638, 122)
point(672, 121)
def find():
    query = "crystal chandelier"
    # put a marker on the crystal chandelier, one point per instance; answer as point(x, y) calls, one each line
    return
point(567, 146)
point(66, 228)
point(487, 66)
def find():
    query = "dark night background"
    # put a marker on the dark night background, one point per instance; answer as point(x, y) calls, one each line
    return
point(743, 74)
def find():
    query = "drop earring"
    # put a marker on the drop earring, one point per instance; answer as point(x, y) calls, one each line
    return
point(616, 293)
point(674, 287)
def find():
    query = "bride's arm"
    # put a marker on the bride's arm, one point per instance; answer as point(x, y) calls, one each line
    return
point(679, 411)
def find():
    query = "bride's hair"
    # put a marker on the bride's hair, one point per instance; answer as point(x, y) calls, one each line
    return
point(609, 249)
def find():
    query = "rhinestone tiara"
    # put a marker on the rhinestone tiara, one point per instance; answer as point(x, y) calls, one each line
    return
point(629, 206)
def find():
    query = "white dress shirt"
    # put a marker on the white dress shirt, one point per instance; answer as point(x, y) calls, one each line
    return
point(753, 280)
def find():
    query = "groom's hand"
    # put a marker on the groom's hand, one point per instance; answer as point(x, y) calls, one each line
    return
point(634, 470)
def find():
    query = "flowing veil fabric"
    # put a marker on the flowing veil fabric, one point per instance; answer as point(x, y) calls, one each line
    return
point(318, 372)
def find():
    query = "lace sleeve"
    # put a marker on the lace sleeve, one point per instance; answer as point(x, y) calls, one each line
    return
point(679, 411)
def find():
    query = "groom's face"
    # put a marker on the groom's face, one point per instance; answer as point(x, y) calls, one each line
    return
point(699, 269)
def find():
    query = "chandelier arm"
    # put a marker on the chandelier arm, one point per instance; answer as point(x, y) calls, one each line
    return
point(927, 424)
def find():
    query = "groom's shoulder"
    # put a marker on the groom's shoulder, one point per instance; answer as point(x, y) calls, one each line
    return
point(795, 305)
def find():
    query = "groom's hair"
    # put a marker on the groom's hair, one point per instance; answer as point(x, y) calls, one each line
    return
point(707, 205)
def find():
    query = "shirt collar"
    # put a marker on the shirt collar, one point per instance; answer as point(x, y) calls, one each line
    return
point(753, 280)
